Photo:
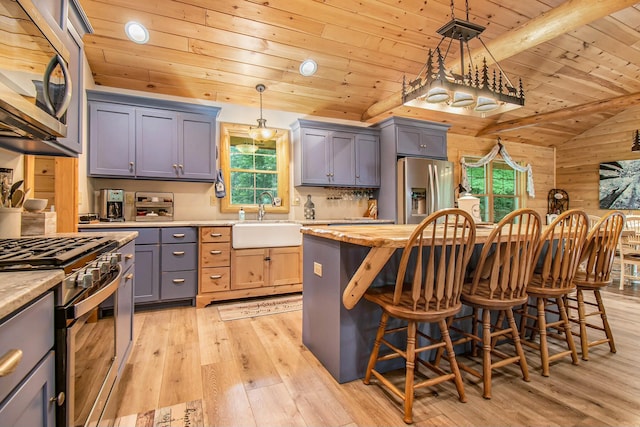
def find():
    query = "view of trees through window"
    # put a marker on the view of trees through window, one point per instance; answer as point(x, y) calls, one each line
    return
point(497, 187)
point(252, 170)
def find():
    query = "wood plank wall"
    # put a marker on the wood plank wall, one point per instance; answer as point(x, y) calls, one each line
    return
point(541, 158)
point(578, 160)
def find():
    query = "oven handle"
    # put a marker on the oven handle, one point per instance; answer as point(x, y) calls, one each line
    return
point(86, 305)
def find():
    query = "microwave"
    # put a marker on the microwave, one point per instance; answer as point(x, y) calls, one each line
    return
point(35, 83)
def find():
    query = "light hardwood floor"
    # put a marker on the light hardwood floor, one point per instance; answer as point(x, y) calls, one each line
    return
point(257, 372)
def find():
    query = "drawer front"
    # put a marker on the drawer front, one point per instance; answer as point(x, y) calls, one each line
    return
point(128, 256)
point(178, 284)
point(215, 255)
point(179, 257)
point(30, 331)
point(179, 235)
point(215, 279)
point(148, 236)
point(215, 234)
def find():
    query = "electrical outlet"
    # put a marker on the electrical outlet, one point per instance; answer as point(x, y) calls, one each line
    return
point(317, 269)
point(296, 202)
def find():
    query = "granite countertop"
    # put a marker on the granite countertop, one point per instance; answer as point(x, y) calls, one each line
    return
point(18, 288)
point(227, 222)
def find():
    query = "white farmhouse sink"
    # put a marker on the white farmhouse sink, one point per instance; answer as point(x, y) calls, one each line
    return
point(266, 235)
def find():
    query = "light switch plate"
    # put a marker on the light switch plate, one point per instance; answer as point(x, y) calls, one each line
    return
point(317, 269)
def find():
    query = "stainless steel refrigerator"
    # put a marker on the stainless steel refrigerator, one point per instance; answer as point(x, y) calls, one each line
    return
point(424, 186)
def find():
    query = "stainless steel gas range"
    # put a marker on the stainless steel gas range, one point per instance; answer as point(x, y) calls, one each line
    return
point(85, 340)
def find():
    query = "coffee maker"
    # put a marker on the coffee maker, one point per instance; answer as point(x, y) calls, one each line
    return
point(111, 205)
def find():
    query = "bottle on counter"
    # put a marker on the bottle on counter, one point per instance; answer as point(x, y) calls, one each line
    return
point(309, 209)
point(241, 214)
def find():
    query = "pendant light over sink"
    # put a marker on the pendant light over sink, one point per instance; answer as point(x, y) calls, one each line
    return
point(262, 132)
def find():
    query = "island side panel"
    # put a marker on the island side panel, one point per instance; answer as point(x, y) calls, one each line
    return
point(341, 339)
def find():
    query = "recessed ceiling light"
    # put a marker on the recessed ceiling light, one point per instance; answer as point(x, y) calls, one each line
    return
point(308, 67)
point(136, 32)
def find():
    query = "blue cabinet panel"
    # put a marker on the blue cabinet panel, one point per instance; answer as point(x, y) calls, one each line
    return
point(147, 273)
point(179, 256)
point(29, 405)
point(112, 136)
point(179, 284)
point(179, 235)
point(156, 143)
point(196, 147)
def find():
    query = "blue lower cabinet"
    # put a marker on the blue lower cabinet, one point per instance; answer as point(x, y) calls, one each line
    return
point(179, 284)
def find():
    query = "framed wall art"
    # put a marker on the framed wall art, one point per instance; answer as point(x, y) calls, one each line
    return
point(620, 185)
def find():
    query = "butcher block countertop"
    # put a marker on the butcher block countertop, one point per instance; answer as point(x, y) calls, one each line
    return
point(383, 235)
point(227, 222)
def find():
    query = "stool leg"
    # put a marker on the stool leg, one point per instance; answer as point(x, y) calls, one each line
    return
point(517, 344)
point(582, 316)
point(486, 352)
point(410, 368)
point(605, 322)
point(444, 331)
point(542, 327)
point(376, 347)
point(567, 331)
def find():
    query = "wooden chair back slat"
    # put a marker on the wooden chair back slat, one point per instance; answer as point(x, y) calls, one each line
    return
point(506, 260)
point(600, 246)
point(436, 256)
point(560, 249)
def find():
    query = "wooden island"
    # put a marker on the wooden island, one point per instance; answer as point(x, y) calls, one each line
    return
point(339, 265)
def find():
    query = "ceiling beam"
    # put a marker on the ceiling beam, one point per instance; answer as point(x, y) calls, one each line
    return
point(567, 17)
point(606, 105)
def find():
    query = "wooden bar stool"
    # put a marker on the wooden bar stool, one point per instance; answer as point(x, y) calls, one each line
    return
point(498, 285)
point(427, 290)
point(629, 250)
point(593, 274)
point(558, 257)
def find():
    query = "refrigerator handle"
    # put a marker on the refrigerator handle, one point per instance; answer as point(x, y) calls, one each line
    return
point(435, 194)
point(432, 174)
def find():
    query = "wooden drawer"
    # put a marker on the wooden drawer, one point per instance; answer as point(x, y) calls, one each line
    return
point(215, 255)
point(178, 284)
point(179, 235)
point(215, 279)
point(179, 257)
point(30, 331)
point(215, 234)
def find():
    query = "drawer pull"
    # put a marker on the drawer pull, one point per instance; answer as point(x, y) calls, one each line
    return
point(215, 252)
point(178, 235)
point(178, 280)
point(216, 234)
point(215, 276)
point(10, 361)
point(128, 276)
point(178, 253)
point(128, 256)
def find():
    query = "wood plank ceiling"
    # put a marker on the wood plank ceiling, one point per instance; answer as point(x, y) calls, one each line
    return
point(220, 49)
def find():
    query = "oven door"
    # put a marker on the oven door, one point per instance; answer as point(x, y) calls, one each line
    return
point(90, 358)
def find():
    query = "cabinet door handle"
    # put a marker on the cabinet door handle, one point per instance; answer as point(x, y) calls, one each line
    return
point(215, 235)
point(178, 281)
point(267, 258)
point(178, 253)
point(215, 252)
point(131, 164)
point(216, 276)
point(175, 166)
point(128, 276)
point(59, 399)
point(178, 235)
point(128, 256)
point(10, 361)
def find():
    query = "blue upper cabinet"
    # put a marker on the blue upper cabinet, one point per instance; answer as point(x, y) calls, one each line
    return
point(151, 139)
point(334, 155)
